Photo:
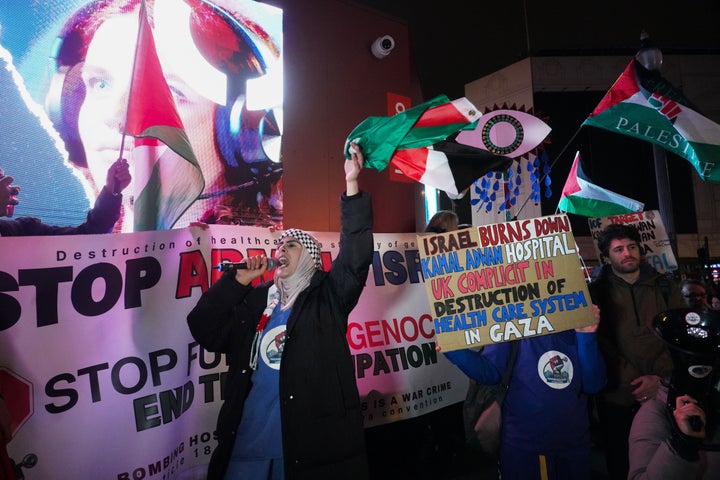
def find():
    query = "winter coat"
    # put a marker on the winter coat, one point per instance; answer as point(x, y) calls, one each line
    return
point(652, 457)
point(625, 334)
point(322, 424)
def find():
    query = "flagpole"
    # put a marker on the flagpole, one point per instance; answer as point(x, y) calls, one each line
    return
point(651, 58)
point(662, 178)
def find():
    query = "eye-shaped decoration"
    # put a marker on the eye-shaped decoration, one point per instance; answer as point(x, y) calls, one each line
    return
point(513, 133)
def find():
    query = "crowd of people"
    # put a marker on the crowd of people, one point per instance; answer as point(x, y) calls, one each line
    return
point(640, 384)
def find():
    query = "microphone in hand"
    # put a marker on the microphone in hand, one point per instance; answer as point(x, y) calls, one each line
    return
point(696, 423)
point(231, 267)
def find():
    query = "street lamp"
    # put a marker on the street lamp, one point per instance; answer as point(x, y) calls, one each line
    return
point(651, 58)
point(649, 55)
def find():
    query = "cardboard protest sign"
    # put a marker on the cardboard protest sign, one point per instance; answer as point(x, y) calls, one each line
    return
point(654, 241)
point(505, 281)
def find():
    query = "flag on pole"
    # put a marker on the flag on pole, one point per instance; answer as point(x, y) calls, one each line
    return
point(167, 176)
point(418, 142)
point(643, 105)
point(581, 197)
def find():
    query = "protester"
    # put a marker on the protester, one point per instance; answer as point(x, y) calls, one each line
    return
point(209, 51)
point(292, 408)
point(545, 418)
point(715, 301)
point(676, 435)
point(629, 293)
point(713, 298)
point(443, 221)
point(694, 293)
point(100, 219)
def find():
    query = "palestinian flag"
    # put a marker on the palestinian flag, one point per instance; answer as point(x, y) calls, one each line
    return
point(448, 166)
point(582, 197)
point(166, 173)
point(643, 105)
point(417, 142)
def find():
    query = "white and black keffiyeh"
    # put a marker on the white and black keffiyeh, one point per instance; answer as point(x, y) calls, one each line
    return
point(308, 264)
point(308, 241)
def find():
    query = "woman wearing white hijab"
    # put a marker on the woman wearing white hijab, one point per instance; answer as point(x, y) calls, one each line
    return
point(292, 408)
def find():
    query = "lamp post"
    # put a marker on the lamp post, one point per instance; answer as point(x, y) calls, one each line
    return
point(651, 58)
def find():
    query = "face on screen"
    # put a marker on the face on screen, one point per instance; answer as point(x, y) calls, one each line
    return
point(106, 76)
point(221, 66)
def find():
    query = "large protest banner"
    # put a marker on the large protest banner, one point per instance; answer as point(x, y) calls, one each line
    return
point(104, 380)
point(654, 240)
point(505, 281)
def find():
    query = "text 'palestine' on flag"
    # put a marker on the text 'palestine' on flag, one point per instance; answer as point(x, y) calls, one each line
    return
point(581, 197)
point(643, 105)
point(418, 142)
point(166, 173)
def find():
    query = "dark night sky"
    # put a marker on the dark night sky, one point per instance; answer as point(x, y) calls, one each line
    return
point(454, 42)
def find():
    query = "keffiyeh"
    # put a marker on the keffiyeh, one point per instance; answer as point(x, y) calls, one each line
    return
point(309, 262)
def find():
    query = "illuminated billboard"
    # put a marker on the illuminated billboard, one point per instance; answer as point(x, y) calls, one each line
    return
point(65, 81)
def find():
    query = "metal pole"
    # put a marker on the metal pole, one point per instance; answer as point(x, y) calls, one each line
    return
point(662, 178)
point(650, 57)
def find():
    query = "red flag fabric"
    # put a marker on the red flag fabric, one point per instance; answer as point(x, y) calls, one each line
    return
point(643, 105)
point(581, 197)
point(417, 142)
point(167, 175)
point(448, 166)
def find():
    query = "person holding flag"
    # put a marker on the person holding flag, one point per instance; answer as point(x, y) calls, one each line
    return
point(292, 408)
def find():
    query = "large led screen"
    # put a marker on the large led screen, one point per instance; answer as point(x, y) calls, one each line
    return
point(66, 89)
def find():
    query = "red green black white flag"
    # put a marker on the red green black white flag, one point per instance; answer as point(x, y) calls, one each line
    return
point(643, 105)
point(166, 174)
point(420, 142)
point(581, 197)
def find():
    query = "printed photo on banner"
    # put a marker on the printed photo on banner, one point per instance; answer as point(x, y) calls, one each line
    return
point(655, 243)
point(505, 281)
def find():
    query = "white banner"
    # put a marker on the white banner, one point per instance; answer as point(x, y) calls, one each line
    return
point(104, 380)
point(654, 240)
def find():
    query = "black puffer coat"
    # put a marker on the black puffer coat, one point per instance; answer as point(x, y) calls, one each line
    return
point(322, 423)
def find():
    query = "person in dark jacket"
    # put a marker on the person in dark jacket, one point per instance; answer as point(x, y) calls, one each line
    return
point(100, 219)
point(292, 408)
point(629, 292)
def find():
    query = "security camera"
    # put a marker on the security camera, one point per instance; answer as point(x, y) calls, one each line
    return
point(382, 46)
